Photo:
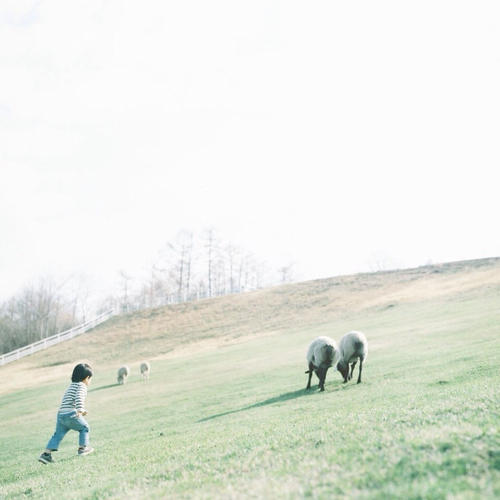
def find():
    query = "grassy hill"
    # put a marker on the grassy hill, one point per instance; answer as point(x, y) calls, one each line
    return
point(225, 413)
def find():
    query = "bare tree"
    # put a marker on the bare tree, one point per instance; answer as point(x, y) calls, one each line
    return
point(210, 245)
point(381, 261)
point(286, 273)
point(176, 263)
point(232, 253)
point(80, 299)
point(219, 275)
point(38, 311)
point(125, 278)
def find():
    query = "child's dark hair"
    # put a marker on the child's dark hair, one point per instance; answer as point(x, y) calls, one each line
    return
point(81, 371)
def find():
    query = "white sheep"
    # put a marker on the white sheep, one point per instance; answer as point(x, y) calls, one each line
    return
point(352, 346)
point(123, 373)
point(145, 370)
point(321, 355)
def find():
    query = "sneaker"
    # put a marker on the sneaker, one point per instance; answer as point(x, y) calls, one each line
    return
point(85, 451)
point(45, 458)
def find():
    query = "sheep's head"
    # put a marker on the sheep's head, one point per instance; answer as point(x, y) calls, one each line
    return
point(343, 368)
point(328, 355)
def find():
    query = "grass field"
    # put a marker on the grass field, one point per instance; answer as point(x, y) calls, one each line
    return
point(228, 416)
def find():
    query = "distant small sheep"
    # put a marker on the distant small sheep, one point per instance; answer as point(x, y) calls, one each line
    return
point(321, 355)
point(123, 373)
point(352, 346)
point(145, 370)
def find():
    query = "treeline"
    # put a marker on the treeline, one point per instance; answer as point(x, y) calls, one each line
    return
point(188, 268)
point(38, 311)
point(192, 268)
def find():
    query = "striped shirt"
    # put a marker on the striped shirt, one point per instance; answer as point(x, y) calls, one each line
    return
point(74, 398)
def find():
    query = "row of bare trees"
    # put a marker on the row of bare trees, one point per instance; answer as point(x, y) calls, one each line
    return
point(38, 311)
point(188, 268)
point(192, 268)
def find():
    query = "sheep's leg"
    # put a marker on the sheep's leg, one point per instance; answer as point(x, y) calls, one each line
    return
point(322, 376)
point(346, 376)
point(308, 386)
point(311, 368)
point(323, 379)
point(352, 370)
point(360, 369)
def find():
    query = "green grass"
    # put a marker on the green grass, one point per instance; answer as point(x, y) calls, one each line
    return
point(236, 422)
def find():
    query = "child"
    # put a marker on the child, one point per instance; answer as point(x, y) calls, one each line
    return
point(70, 414)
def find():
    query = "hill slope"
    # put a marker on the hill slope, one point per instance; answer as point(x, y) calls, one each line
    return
point(225, 414)
point(173, 330)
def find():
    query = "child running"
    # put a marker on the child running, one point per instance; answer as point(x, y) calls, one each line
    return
point(70, 414)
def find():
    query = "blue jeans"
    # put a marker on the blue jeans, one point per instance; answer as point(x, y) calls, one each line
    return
point(69, 421)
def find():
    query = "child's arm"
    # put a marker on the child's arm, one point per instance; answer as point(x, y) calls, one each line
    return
point(80, 400)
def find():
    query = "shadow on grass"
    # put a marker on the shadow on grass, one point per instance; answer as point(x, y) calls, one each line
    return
point(103, 387)
point(277, 399)
point(116, 384)
point(66, 458)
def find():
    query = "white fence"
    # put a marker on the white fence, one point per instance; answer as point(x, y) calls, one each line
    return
point(54, 339)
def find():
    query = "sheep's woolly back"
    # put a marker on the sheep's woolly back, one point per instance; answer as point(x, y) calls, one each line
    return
point(353, 345)
point(123, 373)
point(145, 368)
point(322, 350)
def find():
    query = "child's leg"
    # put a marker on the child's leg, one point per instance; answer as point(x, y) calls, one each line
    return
point(83, 438)
point(58, 435)
point(80, 424)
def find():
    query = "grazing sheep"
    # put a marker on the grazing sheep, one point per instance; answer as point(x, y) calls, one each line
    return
point(145, 370)
point(321, 355)
point(123, 373)
point(352, 346)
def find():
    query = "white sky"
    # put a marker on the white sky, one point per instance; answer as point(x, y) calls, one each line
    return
point(325, 133)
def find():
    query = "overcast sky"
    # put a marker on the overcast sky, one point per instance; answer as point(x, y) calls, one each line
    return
point(324, 133)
